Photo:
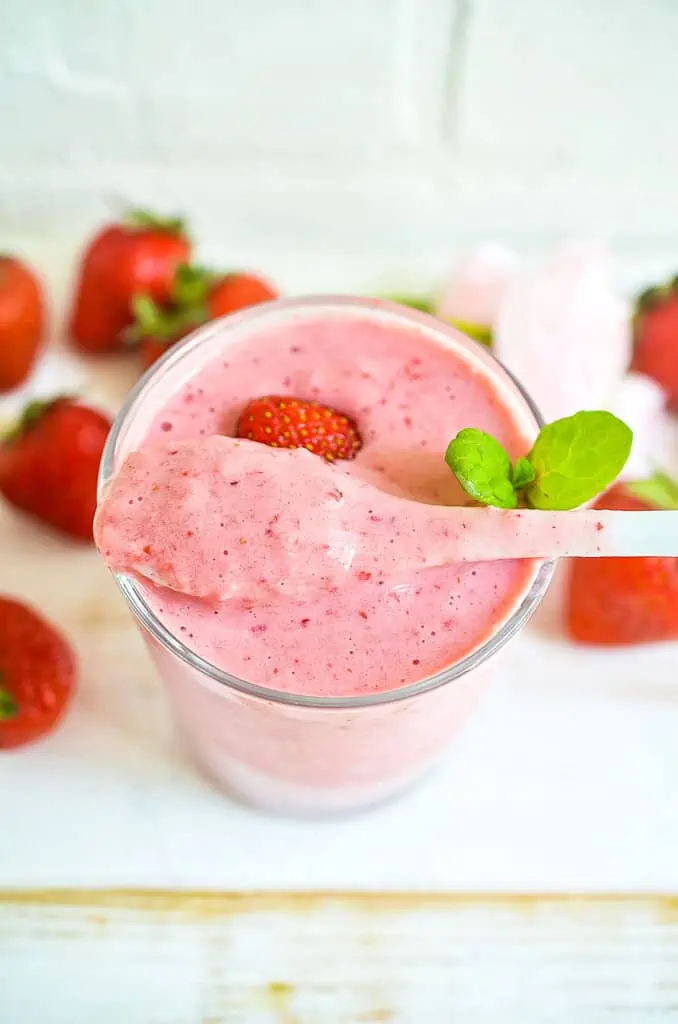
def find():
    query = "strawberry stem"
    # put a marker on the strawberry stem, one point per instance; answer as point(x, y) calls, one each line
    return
point(655, 295)
point(144, 220)
point(660, 490)
point(31, 416)
point(165, 324)
point(27, 420)
point(32, 413)
point(191, 285)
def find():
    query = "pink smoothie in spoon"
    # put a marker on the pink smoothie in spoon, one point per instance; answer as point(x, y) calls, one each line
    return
point(311, 702)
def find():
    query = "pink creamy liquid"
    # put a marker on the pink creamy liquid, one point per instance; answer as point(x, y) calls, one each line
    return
point(408, 396)
point(410, 383)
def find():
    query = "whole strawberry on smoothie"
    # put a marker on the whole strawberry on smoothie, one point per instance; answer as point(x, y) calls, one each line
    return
point(318, 701)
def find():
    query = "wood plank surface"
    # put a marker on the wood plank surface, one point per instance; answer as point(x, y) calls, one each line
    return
point(155, 957)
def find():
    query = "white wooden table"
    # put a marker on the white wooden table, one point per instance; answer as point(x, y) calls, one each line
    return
point(131, 890)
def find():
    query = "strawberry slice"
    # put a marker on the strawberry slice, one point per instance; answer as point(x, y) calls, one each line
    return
point(626, 600)
point(283, 422)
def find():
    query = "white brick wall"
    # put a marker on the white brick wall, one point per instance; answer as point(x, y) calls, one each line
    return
point(390, 131)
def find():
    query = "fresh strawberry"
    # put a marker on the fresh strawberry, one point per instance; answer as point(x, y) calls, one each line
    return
point(50, 461)
point(655, 338)
point(151, 349)
point(236, 291)
point(197, 296)
point(626, 600)
point(22, 321)
point(37, 675)
point(292, 423)
point(140, 254)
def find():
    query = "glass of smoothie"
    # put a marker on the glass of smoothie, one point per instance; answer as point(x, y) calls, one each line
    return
point(324, 705)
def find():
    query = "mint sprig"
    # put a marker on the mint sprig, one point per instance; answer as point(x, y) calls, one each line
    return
point(572, 460)
point(483, 468)
point(523, 473)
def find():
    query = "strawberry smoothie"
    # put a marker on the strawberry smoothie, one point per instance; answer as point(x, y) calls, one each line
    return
point(312, 700)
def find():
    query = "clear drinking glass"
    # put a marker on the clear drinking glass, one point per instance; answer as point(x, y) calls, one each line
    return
point(298, 753)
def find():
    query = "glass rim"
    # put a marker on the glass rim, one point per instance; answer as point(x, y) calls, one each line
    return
point(161, 634)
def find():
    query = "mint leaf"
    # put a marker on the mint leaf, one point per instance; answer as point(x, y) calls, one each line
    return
point(8, 705)
point(576, 458)
point(482, 467)
point(523, 473)
point(660, 490)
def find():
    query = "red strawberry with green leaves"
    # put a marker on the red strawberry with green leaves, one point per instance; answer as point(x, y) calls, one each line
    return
point(155, 330)
point(22, 321)
point(37, 675)
point(197, 296)
point(655, 338)
point(49, 464)
point(626, 600)
point(138, 255)
point(283, 422)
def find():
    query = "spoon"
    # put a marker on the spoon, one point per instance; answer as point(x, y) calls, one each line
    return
point(220, 519)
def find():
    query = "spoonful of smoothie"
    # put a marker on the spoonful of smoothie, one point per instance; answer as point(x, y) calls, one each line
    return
point(221, 518)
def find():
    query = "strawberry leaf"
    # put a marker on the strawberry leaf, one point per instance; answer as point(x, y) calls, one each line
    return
point(30, 416)
point(144, 220)
point(660, 490)
point(153, 321)
point(191, 285)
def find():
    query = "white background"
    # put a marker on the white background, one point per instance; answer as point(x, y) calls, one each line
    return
point(379, 134)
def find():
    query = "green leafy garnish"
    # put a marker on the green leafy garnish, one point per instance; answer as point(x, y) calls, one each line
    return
point(571, 461)
point(482, 467)
point(522, 474)
point(576, 458)
point(660, 490)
